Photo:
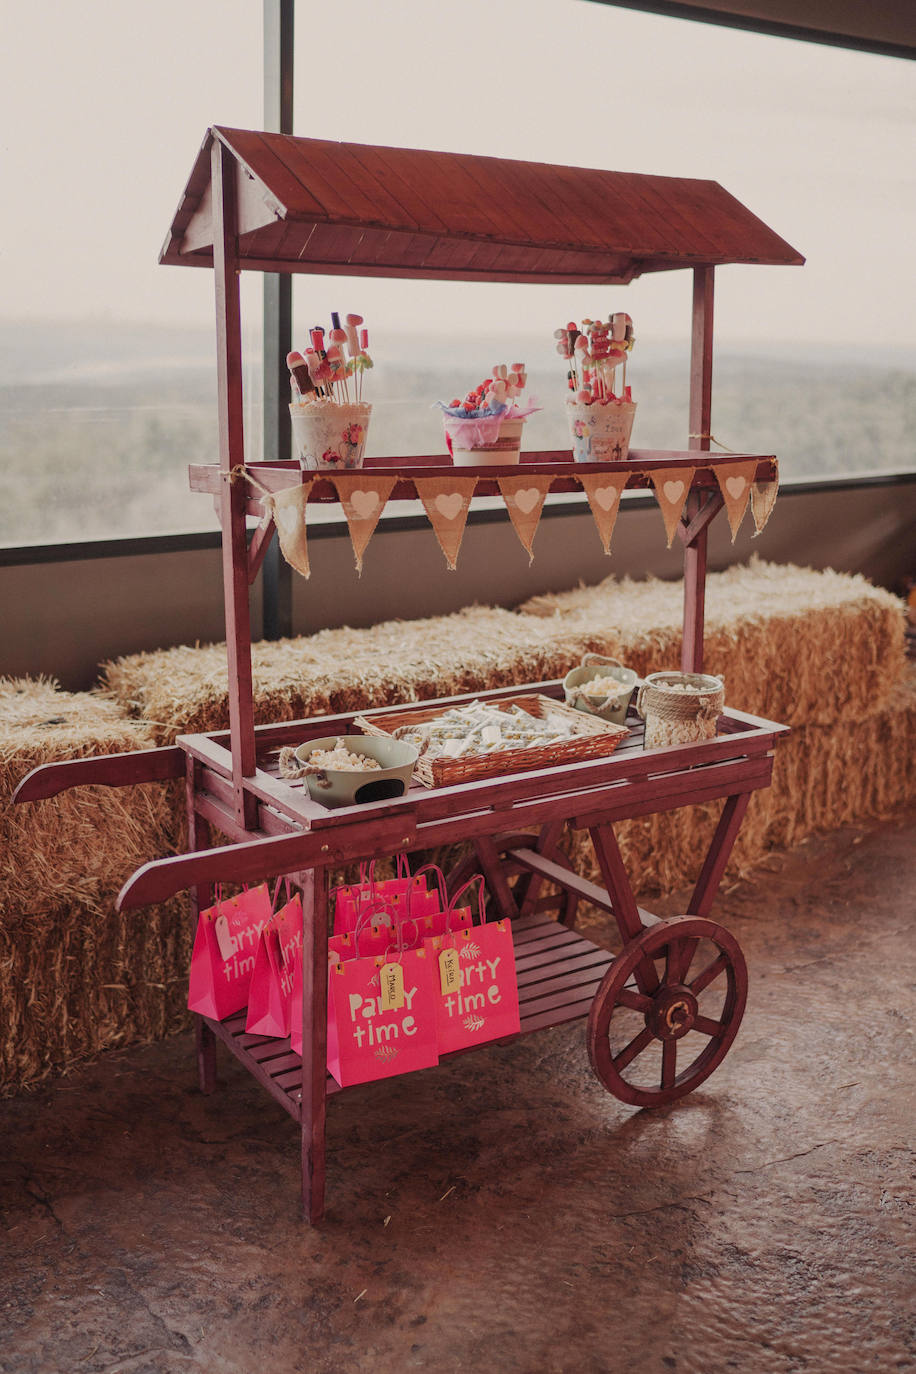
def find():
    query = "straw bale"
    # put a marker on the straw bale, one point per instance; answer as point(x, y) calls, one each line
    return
point(793, 644)
point(185, 689)
point(823, 777)
point(86, 978)
point(68, 851)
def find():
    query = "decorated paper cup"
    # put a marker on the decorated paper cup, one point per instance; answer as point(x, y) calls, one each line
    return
point(330, 437)
point(475, 443)
point(600, 432)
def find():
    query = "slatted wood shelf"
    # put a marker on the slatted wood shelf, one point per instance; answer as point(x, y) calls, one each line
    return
point(558, 972)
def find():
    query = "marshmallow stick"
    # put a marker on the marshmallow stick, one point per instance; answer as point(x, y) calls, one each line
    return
point(316, 370)
point(363, 345)
point(352, 337)
point(298, 369)
point(338, 338)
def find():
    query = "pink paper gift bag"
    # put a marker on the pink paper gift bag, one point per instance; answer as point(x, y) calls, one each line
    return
point(272, 979)
point(266, 1012)
point(365, 1041)
point(351, 902)
point(223, 958)
point(476, 987)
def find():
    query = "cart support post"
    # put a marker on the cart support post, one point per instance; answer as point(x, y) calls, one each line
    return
point(530, 887)
point(233, 496)
point(199, 838)
point(719, 853)
point(314, 886)
point(488, 858)
point(700, 422)
point(620, 891)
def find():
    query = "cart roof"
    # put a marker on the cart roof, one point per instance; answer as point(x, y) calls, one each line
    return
point(309, 205)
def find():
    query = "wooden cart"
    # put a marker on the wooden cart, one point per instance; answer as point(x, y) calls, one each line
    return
point(281, 204)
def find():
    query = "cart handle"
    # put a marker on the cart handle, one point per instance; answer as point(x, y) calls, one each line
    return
point(103, 770)
point(255, 860)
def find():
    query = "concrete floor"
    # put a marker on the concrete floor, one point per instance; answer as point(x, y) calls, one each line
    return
point(504, 1213)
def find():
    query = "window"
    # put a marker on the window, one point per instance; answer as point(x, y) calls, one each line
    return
point(108, 382)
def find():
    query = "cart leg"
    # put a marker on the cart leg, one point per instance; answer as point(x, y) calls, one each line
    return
point(488, 858)
point(719, 853)
point(529, 888)
point(626, 912)
point(714, 864)
point(199, 837)
point(206, 1056)
point(314, 1039)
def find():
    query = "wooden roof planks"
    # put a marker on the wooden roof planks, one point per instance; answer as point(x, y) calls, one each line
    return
point(310, 205)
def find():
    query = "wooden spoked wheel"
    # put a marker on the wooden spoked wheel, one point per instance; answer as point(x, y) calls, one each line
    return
point(667, 1011)
point(556, 902)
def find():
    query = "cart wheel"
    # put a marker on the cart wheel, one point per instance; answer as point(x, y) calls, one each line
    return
point(691, 1018)
point(555, 901)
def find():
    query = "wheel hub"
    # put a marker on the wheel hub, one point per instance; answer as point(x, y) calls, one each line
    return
point(673, 1012)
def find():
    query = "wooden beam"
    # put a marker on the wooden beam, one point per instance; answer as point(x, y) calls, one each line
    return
point(233, 496)
point(700, 421)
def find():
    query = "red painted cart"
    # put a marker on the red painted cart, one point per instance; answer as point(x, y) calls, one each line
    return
point(282, 204)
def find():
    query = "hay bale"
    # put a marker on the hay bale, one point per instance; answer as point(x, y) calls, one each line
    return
point(185, 689)
point(793, 644)
point(70, 851)
point(75, 976)
point(84, 979)
point(823, 777)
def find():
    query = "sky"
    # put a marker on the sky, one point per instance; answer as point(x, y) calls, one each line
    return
point(104, 103)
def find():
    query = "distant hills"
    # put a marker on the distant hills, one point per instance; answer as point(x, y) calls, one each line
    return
point(101, 418)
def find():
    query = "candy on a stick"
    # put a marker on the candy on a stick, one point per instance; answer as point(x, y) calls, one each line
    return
point(594, 354)
point(337, 358)
point(352, 336)
point(299, 372)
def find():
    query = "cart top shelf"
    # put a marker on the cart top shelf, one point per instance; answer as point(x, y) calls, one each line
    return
point(309, 205)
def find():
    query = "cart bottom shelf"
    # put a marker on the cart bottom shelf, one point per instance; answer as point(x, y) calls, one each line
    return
point(558, 971)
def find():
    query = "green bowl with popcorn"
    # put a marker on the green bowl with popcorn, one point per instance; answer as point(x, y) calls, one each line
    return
point(601, 687)
point(351, 770)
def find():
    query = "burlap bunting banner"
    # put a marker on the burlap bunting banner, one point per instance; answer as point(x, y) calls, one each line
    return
point(287, 509)
point(671, 489)
point(604, 499)
point(524, 497)
point(763, 499)
point(363, 496)
point(735, 483)
point(446, 501)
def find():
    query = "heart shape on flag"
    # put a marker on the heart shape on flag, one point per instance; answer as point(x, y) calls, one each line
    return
point(527, 499)
point(365, 503)
point(673, 490)
point(735, 486)
point(287, 519)
point(450, 505)
point(606, 496)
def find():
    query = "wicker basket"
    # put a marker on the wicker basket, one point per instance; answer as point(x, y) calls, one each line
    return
point(594, 739)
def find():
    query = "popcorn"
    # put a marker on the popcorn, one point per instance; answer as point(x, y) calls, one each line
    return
point(341, 760)
point(603, 687)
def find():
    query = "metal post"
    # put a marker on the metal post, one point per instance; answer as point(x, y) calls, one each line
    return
point(276, 586)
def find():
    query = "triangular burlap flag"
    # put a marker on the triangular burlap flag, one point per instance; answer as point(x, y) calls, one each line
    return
point(363, 496)
point(287, 509)
point(604, 498)
point(524, 497)
point(735, 482)
point(446, 501)
point(671, 489)
point(763, 499)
